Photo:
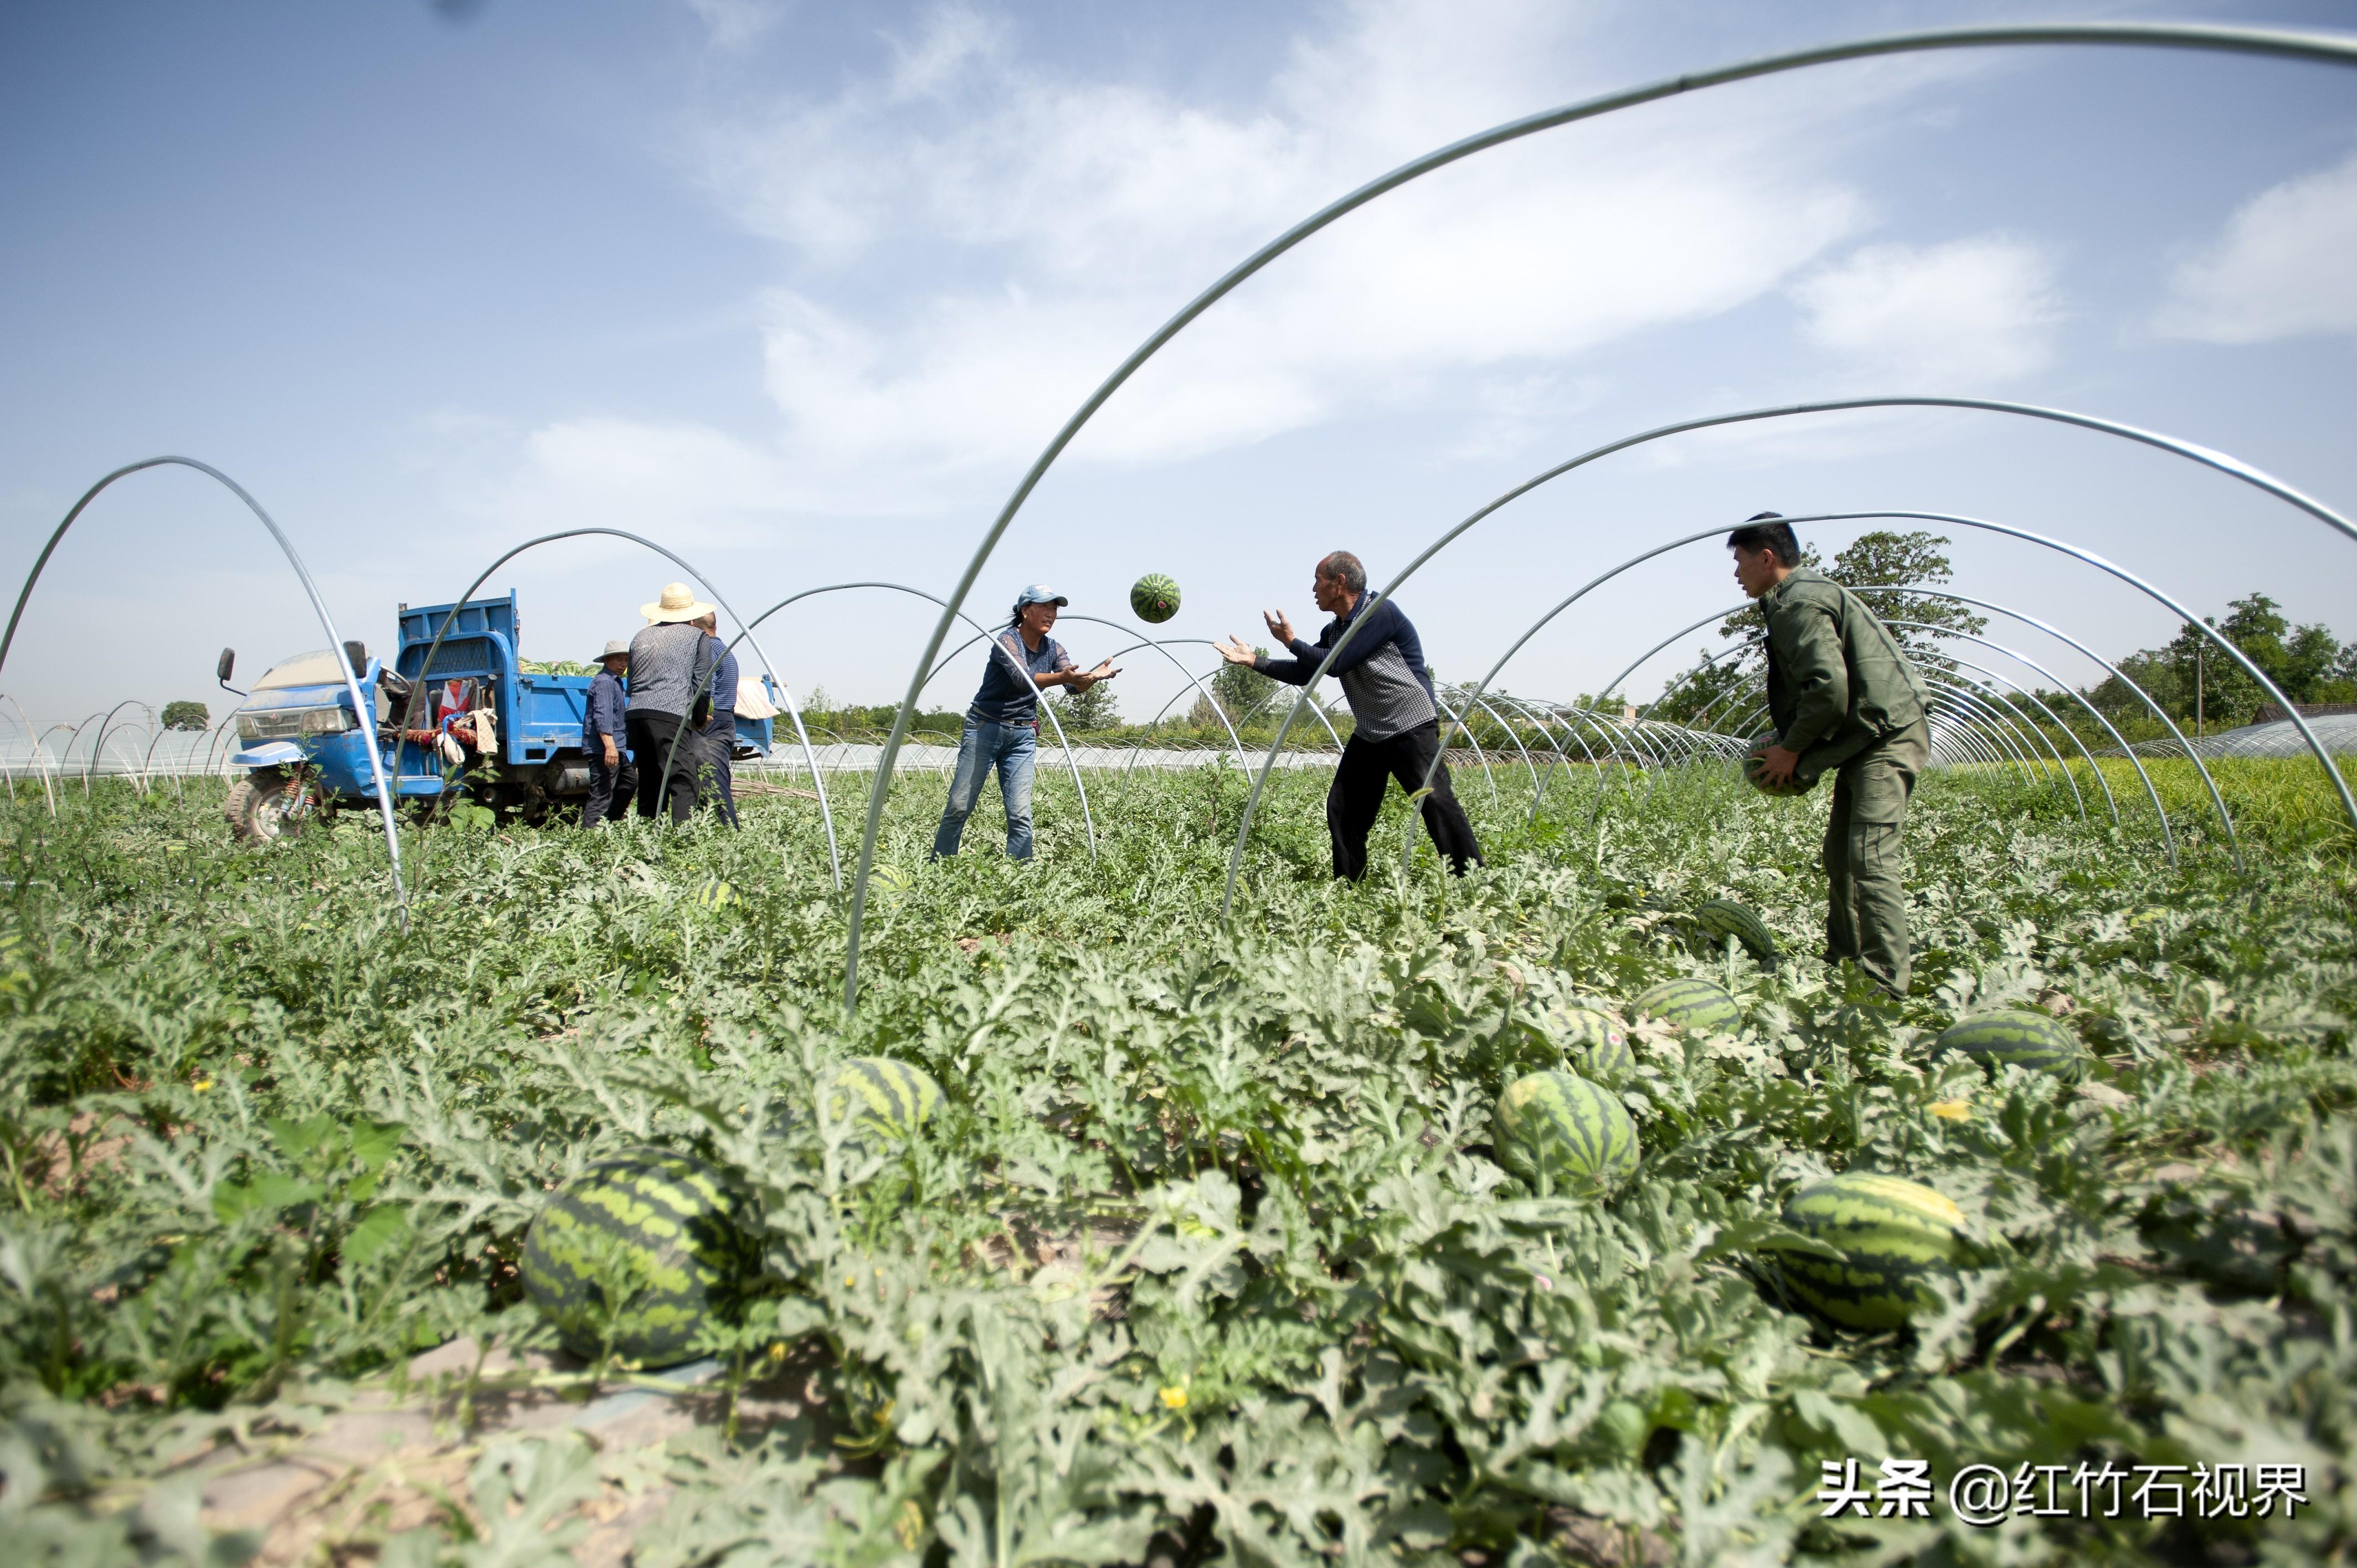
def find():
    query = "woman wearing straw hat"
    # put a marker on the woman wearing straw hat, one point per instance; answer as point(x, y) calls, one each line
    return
point(669, 668)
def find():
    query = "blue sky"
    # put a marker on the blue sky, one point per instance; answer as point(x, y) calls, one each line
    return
point(799, 290)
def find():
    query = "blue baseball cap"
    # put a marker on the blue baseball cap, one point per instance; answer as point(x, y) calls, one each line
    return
point(1041, 593)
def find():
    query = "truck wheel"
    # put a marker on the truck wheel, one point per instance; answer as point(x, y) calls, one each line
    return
point(267, 805)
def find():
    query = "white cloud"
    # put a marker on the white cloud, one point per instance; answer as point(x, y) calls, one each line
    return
point(1938, 318)
point(2285, 267)
point(1056, 221)
point(675, 483)
point(732, 24)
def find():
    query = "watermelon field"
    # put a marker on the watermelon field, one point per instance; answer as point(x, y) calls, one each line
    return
point(1223, 1241)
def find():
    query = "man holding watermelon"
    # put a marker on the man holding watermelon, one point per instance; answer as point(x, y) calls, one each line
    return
point(1395, 717)
point(1844, 700)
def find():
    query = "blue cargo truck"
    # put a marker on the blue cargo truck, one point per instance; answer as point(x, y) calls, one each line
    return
point(477, 726)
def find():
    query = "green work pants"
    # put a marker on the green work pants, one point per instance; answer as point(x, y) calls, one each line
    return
point(1865, 913)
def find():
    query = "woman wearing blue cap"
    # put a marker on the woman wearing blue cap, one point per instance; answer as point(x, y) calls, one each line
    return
point(1001, 728)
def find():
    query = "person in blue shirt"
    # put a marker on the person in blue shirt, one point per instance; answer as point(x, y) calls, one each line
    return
point(719, 734)
point(1001, 728)
point(604, 737)
point(1394, 716)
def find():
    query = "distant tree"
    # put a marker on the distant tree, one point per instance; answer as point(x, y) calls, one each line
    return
point(186, 715)
point(1094, 709)
point(1239, 689)
point(2307, 662)
point(1882, 563)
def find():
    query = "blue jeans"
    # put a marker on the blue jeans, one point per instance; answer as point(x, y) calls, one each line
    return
point(981, 747)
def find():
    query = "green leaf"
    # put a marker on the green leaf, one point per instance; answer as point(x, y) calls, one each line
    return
point(266, 1194)
point(379, 1230)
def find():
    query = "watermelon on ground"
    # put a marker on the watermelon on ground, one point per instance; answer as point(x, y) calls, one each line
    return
point(2020, 1036)
point(1696, 1006)
point(888, 881)
point(1593, 1042)
point(643, 1252)
point(1723, 918)
point(1755, 758)
point(1559, 1125)
point(893, 1099)
point(1896, 1237)
point(1154, 598)
point(715, 894)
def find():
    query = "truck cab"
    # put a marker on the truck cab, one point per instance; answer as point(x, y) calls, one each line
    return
point(477, 724)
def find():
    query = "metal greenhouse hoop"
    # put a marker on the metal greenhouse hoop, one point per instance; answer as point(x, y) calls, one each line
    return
point(319, 606)
point(2084, 555)
point(2234, 468)
point(900, 723)
point(2242, 40)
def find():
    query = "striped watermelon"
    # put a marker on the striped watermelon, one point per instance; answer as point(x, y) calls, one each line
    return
point(1751, 765)
point(1696, 1006)
point(1559, 1125)
point(715, 894)
point(2021, 1037)
point(658, 1231)
point(1154, 598)
point(1723, 918)
point(894, 1099)
point(888, 881)
point(1895, 1236)
point(1593, 1042)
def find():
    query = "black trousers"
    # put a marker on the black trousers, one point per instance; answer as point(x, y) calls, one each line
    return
point(651, 739)
point(610, 788)
point(1357, 798)
point(715, 781)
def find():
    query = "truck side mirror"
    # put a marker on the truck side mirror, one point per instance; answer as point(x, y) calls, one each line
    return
point(227, 666)
point(358, 654)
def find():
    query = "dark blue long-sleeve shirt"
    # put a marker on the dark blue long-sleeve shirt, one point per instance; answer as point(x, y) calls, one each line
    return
point(723, 689)
point(604, 717)
point(1382, 671)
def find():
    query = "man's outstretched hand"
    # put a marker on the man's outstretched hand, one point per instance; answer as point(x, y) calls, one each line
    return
point(1278, 626)
point(1235, 651)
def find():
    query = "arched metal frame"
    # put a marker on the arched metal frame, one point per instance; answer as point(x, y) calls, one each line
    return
point(2216, 799)
point(96, 746)
point(1711, 659)
point(2239, 40)
point(362, 710)
point(826, 814)
point(2086, 557)
point(2014, 719)
point(900, 724)
point(1149, 641)
point(2095, 712)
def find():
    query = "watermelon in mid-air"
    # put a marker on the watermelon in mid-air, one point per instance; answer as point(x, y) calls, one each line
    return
point(640, 1253)
point(1154, 598)
point(1560, 1125)
point(1694, 1005)
point(2020, 1036)
point(1895, 1236)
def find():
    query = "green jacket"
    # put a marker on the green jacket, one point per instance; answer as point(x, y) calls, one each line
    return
point(1837, 679)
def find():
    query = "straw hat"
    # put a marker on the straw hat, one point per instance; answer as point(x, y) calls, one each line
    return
point(678, 603)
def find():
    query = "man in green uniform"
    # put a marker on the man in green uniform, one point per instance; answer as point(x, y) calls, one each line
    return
point(1844, 696)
